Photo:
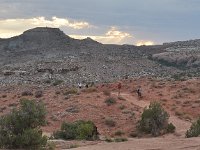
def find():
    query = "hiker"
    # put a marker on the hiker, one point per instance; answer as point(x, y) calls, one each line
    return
point(119, 86)
point(139, 92)
point(79, 85)
point(87, 86)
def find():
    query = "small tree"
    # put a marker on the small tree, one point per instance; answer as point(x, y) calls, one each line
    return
point(21, 128)
point(194, 130)
point(154, 120)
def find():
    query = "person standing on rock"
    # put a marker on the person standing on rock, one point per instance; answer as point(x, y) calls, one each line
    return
point(119, 86)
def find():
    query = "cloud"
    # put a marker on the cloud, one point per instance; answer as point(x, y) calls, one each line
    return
point(74, 28)
point(12, 27)
point(112, 36)
point(142, 42)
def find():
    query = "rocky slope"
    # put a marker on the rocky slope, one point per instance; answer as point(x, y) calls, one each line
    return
point(185, 54)
point(46, 55)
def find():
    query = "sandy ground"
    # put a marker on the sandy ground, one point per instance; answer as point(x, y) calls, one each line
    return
point(167, 142)
point(181, 99)
point(161, 143)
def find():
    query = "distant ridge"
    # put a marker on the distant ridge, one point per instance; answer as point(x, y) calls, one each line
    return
point(194, 43)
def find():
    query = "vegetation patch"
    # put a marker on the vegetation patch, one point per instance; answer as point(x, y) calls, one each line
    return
point(122, 107)
point(38, 94)
point(107, 92)
point(110, 101)
point(71, 91)
point(119, 133)
point(57, 82)
point(81, 130)
point(171, 128)
point(194, 130)
point(21, 128)
point(109, 140)
point(154, 120)
point(110, 122)
point(120, 139)
point(4, 96)
point(27, 93)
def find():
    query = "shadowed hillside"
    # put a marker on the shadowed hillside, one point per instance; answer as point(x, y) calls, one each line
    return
point(45, 55)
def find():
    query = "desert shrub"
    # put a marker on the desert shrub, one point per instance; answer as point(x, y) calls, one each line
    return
point(4, 96)
point(67, 132)
point(78, 130)
point(107, 92)
point(27, 93)
point(110, 122)
point(47, 81)
point(154, 120)
point(51, 146)
point(119, 133)
point(110, 101)
point(120, 139)
point(12, 104)
point(122, 107)
point(71, 91)
point(134, 134)
point(85, 131)
point(109, 140)
point(57, 92)
point(194, 130)
point(171, 128)
point(178, 113)
point(126, 111)
point(72, 109)
point(38, 94)
point(21, 128)
point(32, 139)
point(2, 109)
point(57, 82)
point(179, 77)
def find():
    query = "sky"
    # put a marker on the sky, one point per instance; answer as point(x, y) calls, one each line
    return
point(137, 22)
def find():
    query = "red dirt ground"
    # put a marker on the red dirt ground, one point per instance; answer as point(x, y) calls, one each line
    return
point(179, 98)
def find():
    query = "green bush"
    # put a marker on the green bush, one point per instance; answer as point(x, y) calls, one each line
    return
point(194, 130)
point(21, 128)
point(83, 130)
point(154, 119)
point(110, 101)
point(32, 139)
point(171, 128)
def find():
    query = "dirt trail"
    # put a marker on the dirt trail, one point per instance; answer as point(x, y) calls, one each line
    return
point(167, 142)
